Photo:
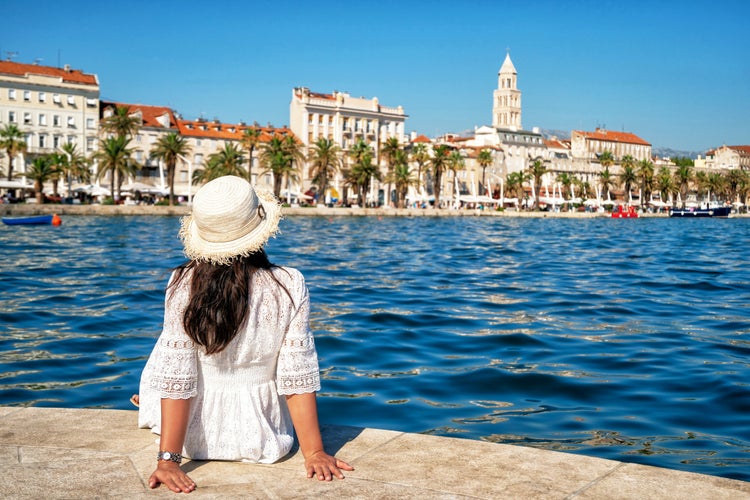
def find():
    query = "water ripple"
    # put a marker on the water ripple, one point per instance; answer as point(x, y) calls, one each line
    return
point(625, 341)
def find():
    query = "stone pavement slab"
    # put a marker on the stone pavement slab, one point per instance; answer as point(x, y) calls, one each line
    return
point(88, 453)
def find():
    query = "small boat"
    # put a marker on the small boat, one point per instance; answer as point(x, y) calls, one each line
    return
point(33, 219)
point(630, 213)
point(701, 212)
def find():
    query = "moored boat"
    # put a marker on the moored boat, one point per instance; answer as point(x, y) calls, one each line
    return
point(628, 213)
point(701, 212)
point(30, 220)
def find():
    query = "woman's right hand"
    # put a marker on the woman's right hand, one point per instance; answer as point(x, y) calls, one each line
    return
point(172, 476)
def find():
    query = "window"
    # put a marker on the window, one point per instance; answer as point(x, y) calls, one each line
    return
point(90, 141)
point(56, 141)
point(72, 139)
point(27, 95)
point(89, 123)
point(42, 97)
point(198, 159)
point(90, 102)
point(56, 98)
point(71, 100)
point(139, 156)
point(56, 120)
point(27, 118)
point(71, 122)
point(12, 116)
point(12, 94)
point(42, 119)
point(42, 141)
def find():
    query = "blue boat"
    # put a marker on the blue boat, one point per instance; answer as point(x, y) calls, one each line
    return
point(34, 219)
point(701, 212)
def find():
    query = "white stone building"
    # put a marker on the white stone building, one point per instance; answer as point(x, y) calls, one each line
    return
point(51, 106)
point(345, 120)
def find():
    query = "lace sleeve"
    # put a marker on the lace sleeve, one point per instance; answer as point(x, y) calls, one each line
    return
point(175, 372)
point(297, 369)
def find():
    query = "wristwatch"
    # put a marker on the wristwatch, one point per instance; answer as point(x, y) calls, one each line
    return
point(169, 456)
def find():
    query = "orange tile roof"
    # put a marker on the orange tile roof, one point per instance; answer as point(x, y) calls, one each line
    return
point(226, 131)
point(149, 114)
point(422, 138)
point(609, 135)
point(69, 75)
point(557, 143)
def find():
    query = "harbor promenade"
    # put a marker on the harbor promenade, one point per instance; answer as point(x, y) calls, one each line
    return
point(62, 210)
point(88, 453)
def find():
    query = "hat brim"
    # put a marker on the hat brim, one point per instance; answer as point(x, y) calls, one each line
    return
point(222, 253)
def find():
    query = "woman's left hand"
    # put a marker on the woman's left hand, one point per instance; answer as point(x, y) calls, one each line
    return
point(325, 466)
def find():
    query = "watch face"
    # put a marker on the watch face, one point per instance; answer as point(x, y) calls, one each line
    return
point(166, 455)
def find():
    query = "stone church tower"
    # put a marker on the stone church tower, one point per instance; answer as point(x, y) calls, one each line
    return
point(506, 108)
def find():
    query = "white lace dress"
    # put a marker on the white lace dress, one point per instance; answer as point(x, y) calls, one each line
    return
point(238, 408)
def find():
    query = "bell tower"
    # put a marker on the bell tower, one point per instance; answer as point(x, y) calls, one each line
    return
point(506, 107)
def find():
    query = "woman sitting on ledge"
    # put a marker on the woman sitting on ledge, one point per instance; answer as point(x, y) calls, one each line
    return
point(235, 366)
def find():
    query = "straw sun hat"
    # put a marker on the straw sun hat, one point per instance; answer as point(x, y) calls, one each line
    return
point(229, 219)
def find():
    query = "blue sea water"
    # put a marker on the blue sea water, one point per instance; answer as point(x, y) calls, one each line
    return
point(623, 339)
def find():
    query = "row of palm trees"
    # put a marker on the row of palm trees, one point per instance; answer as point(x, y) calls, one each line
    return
point(283, 157)
point(670, 183)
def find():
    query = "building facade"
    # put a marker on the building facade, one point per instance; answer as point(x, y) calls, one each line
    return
point(343, 119)
point(589, 145)
point(51, 106)
point(728, 158)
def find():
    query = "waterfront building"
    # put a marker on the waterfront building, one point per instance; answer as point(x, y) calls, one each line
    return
point(154, 122)
point(728, 158)
point(589, 145)
point(344, 119)
point(209, 137)
point(51, 106)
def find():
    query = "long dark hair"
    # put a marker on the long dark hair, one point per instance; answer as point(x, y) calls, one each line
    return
point(218, 298)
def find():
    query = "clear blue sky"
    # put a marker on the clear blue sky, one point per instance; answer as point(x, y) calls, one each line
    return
point(674, 72)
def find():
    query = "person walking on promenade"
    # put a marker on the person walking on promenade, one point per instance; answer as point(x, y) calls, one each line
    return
point(235, 370)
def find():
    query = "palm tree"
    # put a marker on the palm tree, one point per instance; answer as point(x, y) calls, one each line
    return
point(485, 160)
point(455, 163)
point(402, 176)
point(421, 156)
point(627, 178)
point(74, 165)
point(12, 142)
point(293, 152)
point(120, 123)
point(735, 179)
point(607, 181)
point(250, 139)
point(326, 161)
point(388, 152)
point(227, 161)
point(114, 156)
point(716, 184)
point(646, 176)
point(42, 169)
point(606, 159)
point(566, 180)
point(169, 148)
point(438, 163)
point(515, 181)
point(701, 184)
point(664, 183)
point(363, 171)
point(682, 176)
point(537, 169)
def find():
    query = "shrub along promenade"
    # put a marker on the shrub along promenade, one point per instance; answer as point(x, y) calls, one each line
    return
point(32, 209)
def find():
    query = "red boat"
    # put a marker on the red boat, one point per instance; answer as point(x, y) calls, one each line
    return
point(629, 213)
